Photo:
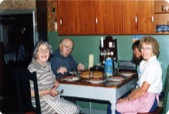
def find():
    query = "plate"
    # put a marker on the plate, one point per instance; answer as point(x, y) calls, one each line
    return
point(71, 78)
point(127, 73)
point(116, 78)
point(96, 81)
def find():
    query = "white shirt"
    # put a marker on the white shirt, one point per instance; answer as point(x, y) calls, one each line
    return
point(151, 72)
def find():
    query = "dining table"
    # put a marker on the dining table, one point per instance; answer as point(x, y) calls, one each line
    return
point(108, 90)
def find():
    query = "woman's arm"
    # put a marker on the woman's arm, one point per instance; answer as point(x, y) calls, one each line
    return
point(137, 93)
point(51, 91)
point(140, 91)
point(41, 93)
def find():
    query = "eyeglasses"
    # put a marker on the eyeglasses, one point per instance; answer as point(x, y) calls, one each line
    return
point(146, 48)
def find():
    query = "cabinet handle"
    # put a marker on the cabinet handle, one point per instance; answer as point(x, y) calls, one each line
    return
point(96, 20)
point(60, 21)
point(136, 20)
point(152, 18)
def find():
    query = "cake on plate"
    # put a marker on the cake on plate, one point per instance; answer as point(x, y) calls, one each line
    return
point(96, 74)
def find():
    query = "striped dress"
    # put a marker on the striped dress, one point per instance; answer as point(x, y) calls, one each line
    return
point(50, 104)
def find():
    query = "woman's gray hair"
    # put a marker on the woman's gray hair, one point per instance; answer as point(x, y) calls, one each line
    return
point(37, 45)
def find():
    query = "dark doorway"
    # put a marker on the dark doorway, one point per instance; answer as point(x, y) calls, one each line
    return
point(17, 35)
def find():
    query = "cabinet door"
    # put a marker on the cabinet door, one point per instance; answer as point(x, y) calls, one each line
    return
point(109, 16)
point(145, 16)
point(76, 17)
point(66, 17)
point(128, 16)
point(138, 17)
point(85, 17)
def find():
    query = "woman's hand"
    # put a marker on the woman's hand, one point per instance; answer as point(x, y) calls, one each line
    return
point(56, 84)
point(53, 92)
point(122, 100)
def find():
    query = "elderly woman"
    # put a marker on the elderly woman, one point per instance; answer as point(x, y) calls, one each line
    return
point(50, 101)
point(149, 85)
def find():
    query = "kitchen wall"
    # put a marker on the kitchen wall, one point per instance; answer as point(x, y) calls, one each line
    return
point(17, 4)
point(85, 45)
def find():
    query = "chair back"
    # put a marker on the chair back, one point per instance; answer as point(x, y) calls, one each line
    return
point(166, 91)
point(23, 78)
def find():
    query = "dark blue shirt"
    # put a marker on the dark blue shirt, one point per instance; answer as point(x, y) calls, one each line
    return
point(57, 60)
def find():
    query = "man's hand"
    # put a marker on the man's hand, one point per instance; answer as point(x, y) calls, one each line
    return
point(62, 70)
point(80, 67)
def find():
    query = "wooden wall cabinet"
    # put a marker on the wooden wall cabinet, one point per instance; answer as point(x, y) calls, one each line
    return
point(145, 14)
point(138, 17)
point(66, 17)
point(109, 16)
point(105, 17)
point(76, 17)
point(89, 17)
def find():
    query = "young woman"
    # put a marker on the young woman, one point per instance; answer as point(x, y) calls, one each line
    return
point(50, 101)
point(136, 53)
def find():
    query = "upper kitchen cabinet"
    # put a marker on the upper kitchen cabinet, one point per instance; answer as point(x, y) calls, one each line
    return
point(109, 17)
point(161, 16)
point(105, 17)
point(85, 17)
point(144, 17)
point(76, 17)
point(66, 17)
point(138, 16)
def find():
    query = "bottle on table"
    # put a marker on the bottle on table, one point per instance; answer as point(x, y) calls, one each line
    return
point(108, 69)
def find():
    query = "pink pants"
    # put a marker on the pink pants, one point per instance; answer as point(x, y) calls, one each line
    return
point(142, 104)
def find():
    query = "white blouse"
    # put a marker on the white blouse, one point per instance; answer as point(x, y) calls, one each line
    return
point(151, 72)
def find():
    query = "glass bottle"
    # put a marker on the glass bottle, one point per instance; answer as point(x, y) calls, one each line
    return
point(108, 67)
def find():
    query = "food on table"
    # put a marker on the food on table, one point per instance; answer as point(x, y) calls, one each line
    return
point(96, 74)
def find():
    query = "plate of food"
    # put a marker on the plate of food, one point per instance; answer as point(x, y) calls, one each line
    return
point(96, 81)
point(127, 73)
point(71, 78)
point(116, 78)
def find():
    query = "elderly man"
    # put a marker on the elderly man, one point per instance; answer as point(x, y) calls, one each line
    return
point(62, 62)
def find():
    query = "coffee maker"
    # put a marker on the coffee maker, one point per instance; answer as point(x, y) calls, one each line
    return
point(108, 48)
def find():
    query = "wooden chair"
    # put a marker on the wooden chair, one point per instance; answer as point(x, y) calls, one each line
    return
point(166, 91)
point(23, 78)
